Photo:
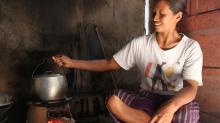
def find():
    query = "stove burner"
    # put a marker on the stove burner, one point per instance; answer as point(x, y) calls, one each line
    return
point(57, 111)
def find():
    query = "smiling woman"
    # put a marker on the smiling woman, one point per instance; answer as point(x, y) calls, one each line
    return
point(171, 67)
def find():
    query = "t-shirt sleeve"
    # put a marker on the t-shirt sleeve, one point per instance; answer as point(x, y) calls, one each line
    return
point(193, 65)
point(126, 56)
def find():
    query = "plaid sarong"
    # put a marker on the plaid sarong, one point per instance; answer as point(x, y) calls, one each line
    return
point(150, 102)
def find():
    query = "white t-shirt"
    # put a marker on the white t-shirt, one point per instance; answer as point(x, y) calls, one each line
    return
point(162, 71)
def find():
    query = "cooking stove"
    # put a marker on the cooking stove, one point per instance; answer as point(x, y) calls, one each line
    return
point(57, 111)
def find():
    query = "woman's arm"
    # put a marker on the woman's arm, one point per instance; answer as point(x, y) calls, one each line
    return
point(91, 65)
point(184, 96)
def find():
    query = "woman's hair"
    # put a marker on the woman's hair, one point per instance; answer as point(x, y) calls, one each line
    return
point(175, 5)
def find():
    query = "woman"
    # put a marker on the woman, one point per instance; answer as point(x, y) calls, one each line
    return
point(171, 67)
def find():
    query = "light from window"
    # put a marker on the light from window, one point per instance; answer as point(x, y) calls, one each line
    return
point(146, 24)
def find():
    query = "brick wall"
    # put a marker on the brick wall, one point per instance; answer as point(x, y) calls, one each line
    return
point(203, 24)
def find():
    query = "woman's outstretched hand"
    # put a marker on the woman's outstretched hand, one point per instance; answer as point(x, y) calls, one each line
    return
point(62, 61)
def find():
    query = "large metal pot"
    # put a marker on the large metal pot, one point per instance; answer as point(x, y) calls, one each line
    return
point(49, 87)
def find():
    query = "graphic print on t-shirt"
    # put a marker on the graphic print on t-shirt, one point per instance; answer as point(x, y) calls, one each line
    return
point(162, 76)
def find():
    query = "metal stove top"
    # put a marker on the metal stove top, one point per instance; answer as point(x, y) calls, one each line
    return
point(52, 103)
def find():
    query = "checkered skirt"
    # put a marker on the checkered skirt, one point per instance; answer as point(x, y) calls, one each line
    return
point(150, 102)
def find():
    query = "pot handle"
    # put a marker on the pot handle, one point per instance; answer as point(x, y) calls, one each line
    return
point(35, 69)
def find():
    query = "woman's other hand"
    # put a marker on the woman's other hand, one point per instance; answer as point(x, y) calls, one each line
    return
point(62, 61)
point(164, 114)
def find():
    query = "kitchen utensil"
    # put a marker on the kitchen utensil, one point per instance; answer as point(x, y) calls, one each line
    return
point(49, 86)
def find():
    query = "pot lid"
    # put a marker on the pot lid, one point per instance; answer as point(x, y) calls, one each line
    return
point(48, 75)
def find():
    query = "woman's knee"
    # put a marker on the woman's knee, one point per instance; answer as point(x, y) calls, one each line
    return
point(113, 104)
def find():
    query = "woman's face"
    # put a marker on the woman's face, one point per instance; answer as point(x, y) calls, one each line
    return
point(164, 20)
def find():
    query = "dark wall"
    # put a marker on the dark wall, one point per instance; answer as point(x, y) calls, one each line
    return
point(119, 21)
point(19, 30)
